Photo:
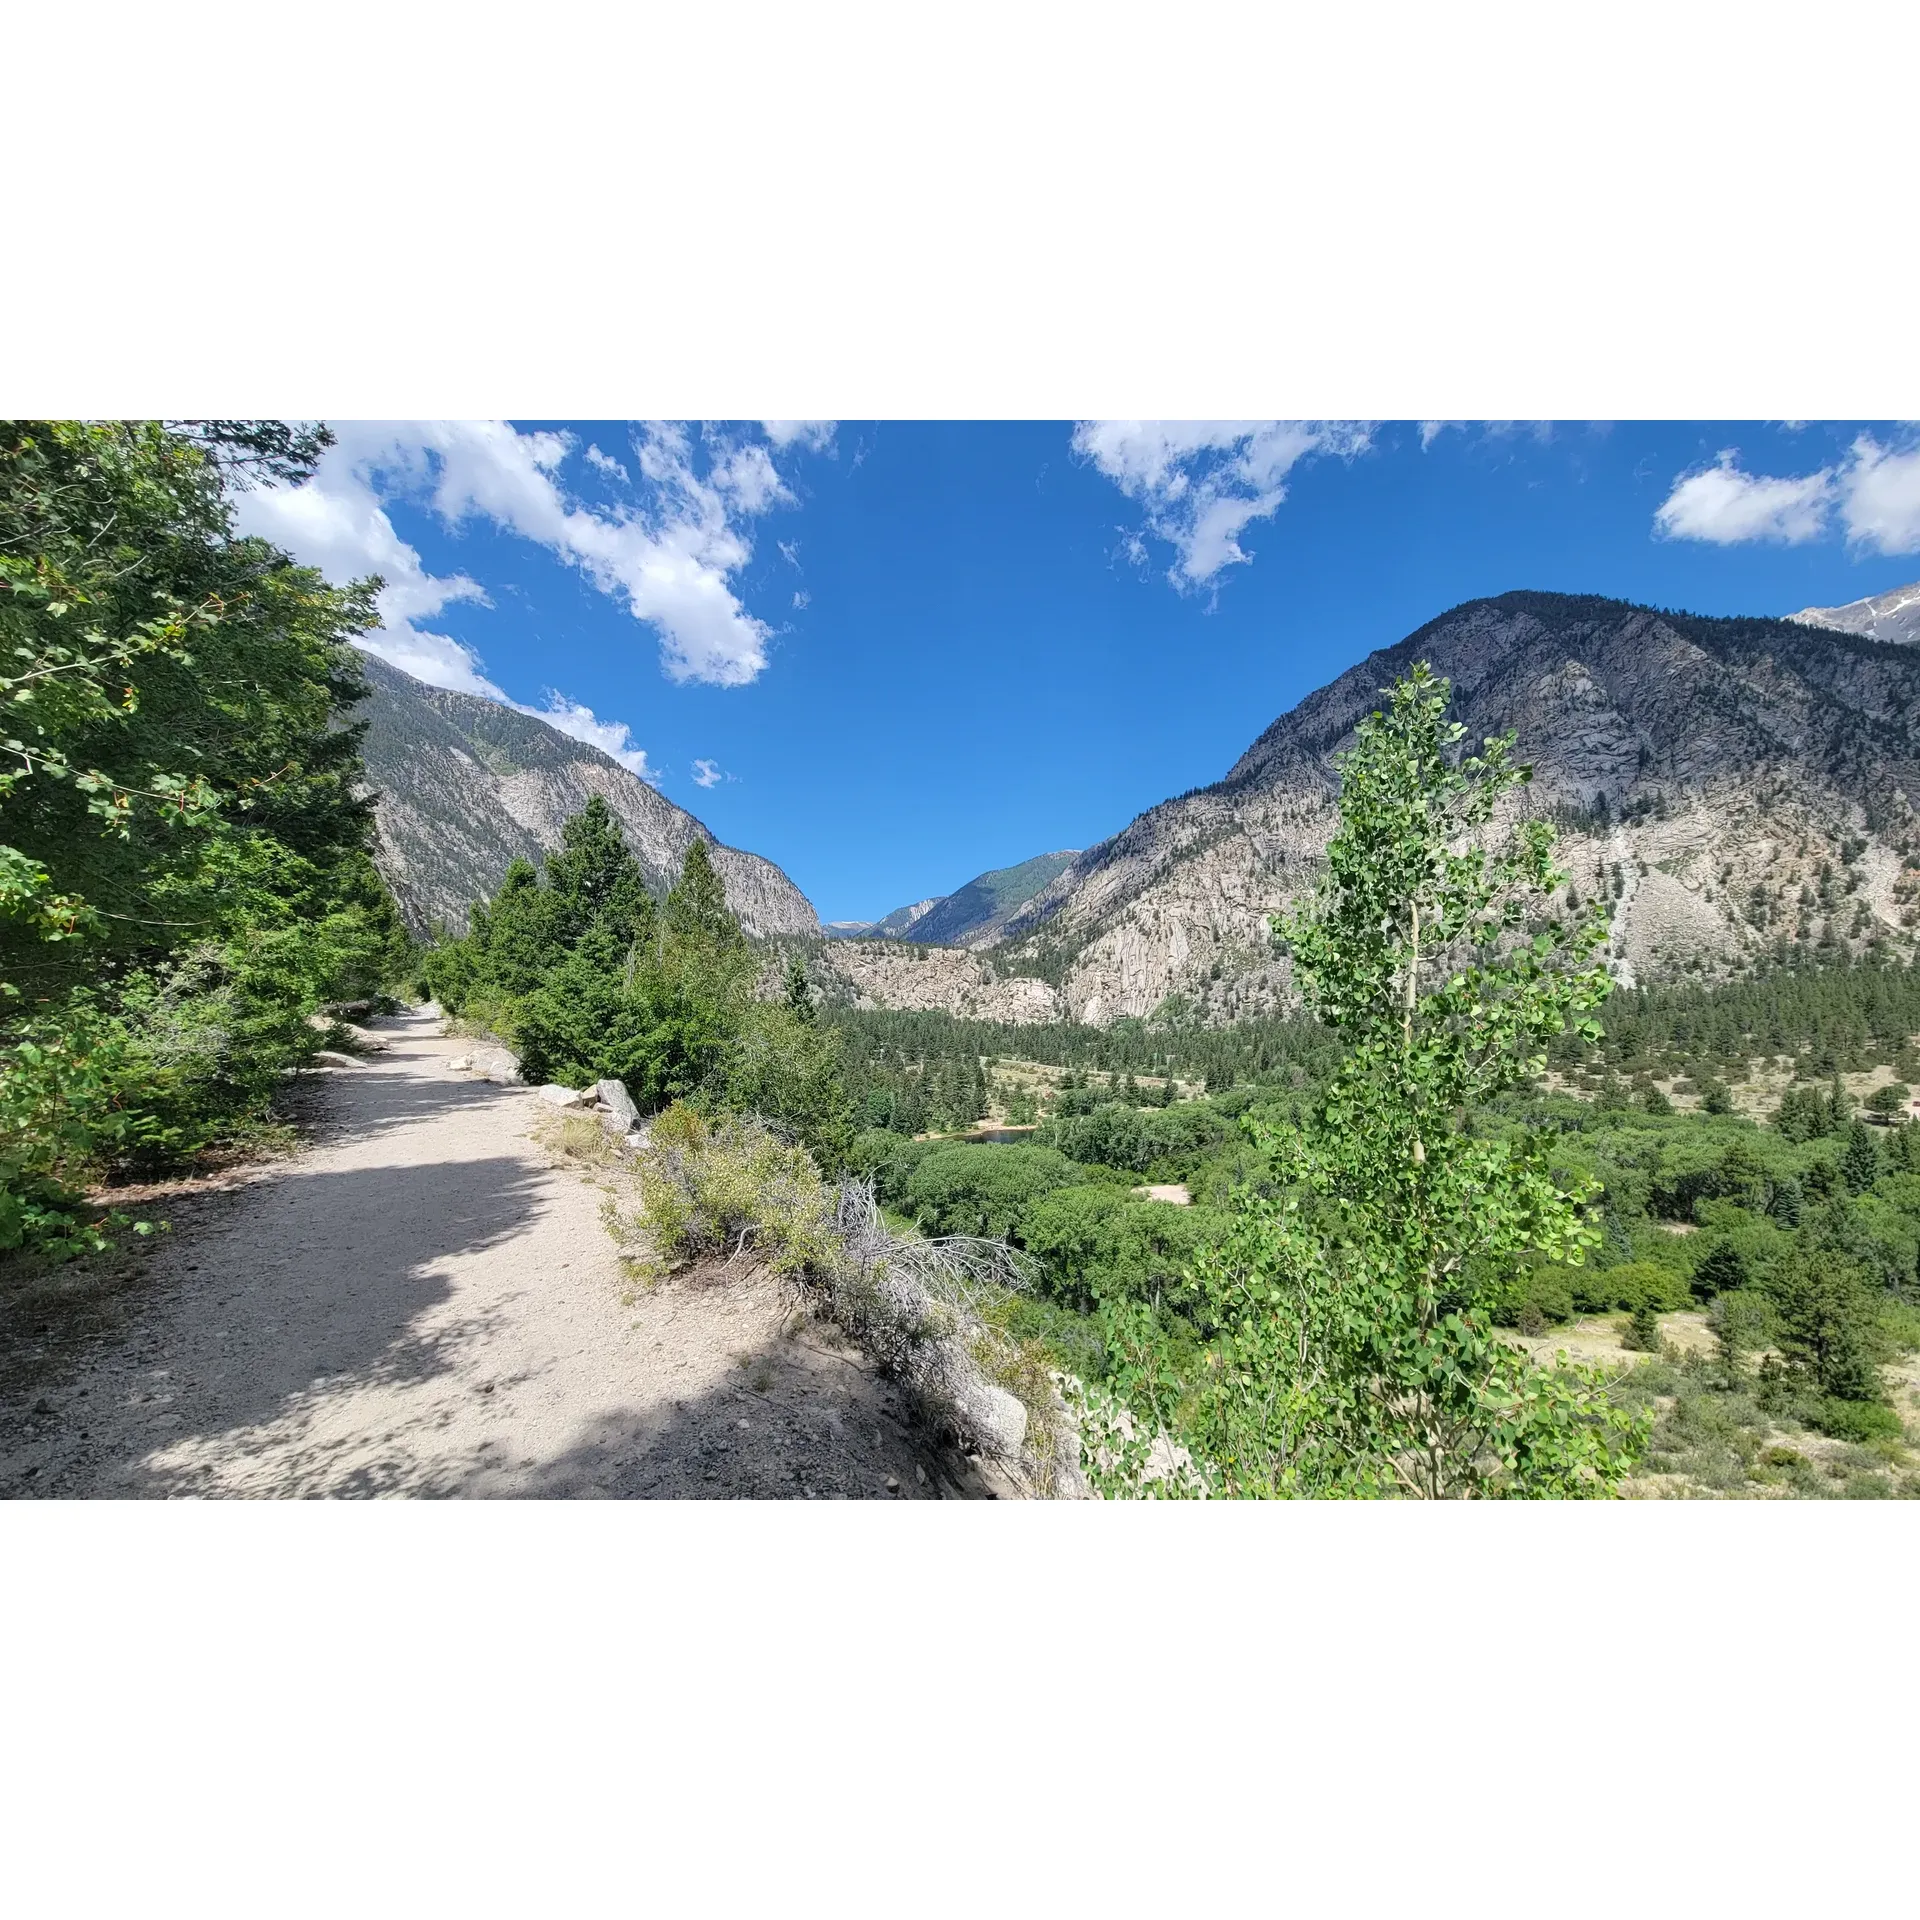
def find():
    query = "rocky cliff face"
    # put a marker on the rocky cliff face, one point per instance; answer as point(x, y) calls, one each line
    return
point(464, 784)
point(1729, 784)
point(886, 973)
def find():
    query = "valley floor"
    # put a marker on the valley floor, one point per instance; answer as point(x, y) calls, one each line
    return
point(418, 1302)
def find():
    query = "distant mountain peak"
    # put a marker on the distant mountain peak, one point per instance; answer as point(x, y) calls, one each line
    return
point(1893, 616)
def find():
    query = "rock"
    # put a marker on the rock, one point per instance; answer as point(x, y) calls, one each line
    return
point(996, 1418)
point(635, 1140)
point(621, 1114)
point(462, 1063)
point(498, 1065)
point(556, 1095)
point(893, 1485)
point(326, 1057)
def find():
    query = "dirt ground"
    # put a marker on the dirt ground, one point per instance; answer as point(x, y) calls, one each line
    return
point(417, 1301)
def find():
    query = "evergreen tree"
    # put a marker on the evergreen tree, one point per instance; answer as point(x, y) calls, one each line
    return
point(1860, 1158)
point(697, 913)
point(799, 991)
point(594, 880)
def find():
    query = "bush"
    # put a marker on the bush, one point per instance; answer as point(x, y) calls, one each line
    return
point(984, 1190)
point(1860, 1421)
point(1535, 1299)
point(730, 1186)
point(1630, 1285)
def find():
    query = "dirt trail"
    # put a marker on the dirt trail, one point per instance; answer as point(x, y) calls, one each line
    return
point(419, 1303)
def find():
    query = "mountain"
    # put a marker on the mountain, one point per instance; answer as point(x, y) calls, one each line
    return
point(1891, 616)
point(1730, 783)
point(971, 916)
point(463, 784)
point(976, 914)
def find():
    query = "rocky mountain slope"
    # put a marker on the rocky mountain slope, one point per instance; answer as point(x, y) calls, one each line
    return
point(1730, 783)
point(1891, 616)
point(464, 784)
point(971, 916)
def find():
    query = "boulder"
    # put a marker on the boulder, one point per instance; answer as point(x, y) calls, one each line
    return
point(326, 1057)
point(497, 1064)
point(462, 1063)
point(621, 1114)
point(994, 1418)
point(556, 1095)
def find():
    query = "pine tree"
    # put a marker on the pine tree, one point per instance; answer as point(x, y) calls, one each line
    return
point(799, 991)
point(595, 882)
point(697, 913)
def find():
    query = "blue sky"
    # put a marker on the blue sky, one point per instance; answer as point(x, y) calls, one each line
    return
point(891, 655)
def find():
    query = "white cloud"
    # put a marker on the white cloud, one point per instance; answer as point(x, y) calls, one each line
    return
point(707, 774)
point(815, 435)
point(1431, 430)
point(612, 737)
point(1873, 494)
point(670, 556)
point(802, 598)
point(1203, 482)
point(1880, 497)
point(789, 551)
point(337, 524)
point(1725, 505)
point(607, 463)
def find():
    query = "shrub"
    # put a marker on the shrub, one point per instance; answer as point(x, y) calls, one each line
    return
point(1629, 1285)
point(1860, 1421)
point(730, 1186)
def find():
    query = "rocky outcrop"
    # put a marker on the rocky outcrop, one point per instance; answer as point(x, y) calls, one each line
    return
point(880, 973)
point(462, 785)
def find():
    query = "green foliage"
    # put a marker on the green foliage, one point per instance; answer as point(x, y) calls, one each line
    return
point(1643, 1329)
point(725, 1187)
point(1827, 1312)
point(983, 1190)
point(1348, 1350)
point(1173, 1140)
point(1861, 1421)
point(187, 874)
point(591, 980)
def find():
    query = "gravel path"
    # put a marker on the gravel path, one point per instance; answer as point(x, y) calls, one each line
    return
point(419, 1303)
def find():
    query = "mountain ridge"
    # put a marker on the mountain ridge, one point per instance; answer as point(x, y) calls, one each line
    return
point(1732, 782)
point(462, 785)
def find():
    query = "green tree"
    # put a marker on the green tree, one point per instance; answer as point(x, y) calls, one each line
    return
point(186, 872)
point(697, 914)
point(1350, 1351)
point(1860, 1157)
point(1722, 1269)
point(799, 991)
point(1827, 1310)
point(596, 891)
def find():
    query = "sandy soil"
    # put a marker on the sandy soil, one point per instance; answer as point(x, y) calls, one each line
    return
point(418, 1302)
point(1598, 1339)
